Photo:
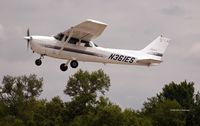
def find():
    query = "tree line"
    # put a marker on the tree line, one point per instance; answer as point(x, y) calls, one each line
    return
point(176, 105)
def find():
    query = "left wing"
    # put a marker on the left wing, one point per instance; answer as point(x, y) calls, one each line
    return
point(87, 30)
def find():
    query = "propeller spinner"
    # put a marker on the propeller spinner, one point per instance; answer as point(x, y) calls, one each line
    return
point(28, 38)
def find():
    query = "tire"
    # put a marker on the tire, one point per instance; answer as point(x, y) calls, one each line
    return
point(63, 67)
point(38, 62)
point(74, 64)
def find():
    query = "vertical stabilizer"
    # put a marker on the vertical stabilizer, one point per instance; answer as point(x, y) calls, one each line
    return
point(157, 47)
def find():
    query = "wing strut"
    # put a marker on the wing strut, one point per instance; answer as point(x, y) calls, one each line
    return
point(68, 38)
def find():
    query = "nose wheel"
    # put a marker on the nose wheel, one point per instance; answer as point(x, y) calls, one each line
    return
point(38, 62)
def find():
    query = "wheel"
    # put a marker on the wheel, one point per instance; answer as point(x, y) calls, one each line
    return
point(38, 62)
point(74, 64)
point(63, 67)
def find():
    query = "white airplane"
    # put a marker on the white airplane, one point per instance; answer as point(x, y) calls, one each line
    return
point(75, 44)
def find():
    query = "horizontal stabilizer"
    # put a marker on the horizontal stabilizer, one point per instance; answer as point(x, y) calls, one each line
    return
point(148, 62)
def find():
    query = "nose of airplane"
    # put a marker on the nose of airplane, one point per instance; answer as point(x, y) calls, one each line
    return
point(28, 38)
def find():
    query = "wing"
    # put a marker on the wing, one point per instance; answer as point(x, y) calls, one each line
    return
point(87, 30)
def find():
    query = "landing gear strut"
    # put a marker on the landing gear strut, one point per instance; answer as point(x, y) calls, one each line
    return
point(38, 62)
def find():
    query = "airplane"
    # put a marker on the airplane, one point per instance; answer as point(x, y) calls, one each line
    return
point(75, 44)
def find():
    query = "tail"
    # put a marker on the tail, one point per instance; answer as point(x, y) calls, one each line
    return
point(155, 50)
point(157, 47)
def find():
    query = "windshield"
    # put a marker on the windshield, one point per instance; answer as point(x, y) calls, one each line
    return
point(59, 36)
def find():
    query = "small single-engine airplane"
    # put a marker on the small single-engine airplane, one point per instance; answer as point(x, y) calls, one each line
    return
point(75, 44)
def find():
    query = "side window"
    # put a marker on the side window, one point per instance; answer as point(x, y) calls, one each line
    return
point(72, 40)
point(88, 44)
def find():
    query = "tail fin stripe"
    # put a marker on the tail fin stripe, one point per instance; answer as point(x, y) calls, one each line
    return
point(155, 54)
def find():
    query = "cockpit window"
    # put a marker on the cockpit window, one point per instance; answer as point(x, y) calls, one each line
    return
point(88, 44)
point(59, 36)
point(74, 40)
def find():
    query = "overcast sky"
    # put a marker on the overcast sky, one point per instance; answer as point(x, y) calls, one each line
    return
point(132, 24)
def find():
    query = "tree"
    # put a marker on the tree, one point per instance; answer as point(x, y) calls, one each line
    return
point(18, 97)
point(130, 117)
point(83, 83)
point(161, 112)
point(195, 111)
point(183, 93)
point(83, 87)
point(20, 88)
point(49, 113)
point(180, 96)
point(108, 114)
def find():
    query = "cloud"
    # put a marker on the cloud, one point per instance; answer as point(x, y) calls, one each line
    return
point(195, 49)
point(173, 10)
point(2, 34)
point(191, 56)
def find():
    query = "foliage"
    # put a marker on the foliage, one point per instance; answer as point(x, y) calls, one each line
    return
point(19, 104)
point(183, 93)
point(179, 97)
point(18, 98)
point(83, 87)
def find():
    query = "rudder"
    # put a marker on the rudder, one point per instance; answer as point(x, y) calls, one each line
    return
point(157, 47)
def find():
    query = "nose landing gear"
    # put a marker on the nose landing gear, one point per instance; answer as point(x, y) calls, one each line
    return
point(38, 62)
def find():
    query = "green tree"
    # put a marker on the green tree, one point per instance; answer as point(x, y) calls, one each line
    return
point(132, 118)
point(195, 111)
point(162, 114)
point(183, 93)
point(175, 96)
point(18, 97)
point(84, 88)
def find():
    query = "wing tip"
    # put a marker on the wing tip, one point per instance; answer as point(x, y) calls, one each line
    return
point(98, 22)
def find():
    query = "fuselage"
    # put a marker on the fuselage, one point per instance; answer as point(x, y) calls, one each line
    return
point(87, 52)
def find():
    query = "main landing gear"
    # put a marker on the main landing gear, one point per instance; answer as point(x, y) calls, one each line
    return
point(73, 64)
point(63, 67)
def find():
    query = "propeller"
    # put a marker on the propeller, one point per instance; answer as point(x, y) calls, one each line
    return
point(28, 38)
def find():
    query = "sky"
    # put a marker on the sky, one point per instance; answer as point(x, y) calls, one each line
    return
point(132, 24)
